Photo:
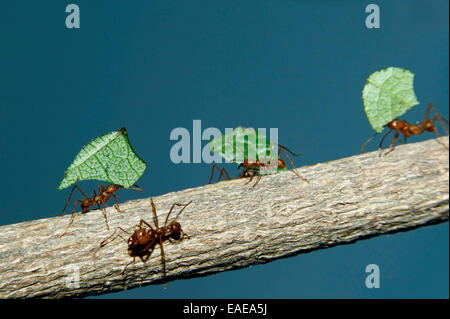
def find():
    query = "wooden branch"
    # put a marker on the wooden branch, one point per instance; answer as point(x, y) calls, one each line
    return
point(232, 224)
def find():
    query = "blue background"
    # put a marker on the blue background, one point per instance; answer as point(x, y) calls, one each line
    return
point(152, 66)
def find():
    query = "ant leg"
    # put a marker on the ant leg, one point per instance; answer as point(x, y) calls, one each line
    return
point(163, 260)
point(392, 144)
point(147, 224)
point(150, 246)
point(70, 196)
point(113, 236)
point(441, 121)
point(382, 140)
point(438, 136)
point(427, 112)
point(116, 205)
point(437, 116)
point(397, 137)
point(258, 178)
point(251, 176)
point(170, 211)
point(104, 214)
point(72, 217)
point(147, 256)
point(222, 171)
point(367, 142)
point(123, 271)
point(212, 172)
point(295, 170)
point(155, 218)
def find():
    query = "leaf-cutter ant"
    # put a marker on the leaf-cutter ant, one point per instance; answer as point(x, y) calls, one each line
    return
point(401, 126)
point(144, 239)
point(252, 168)
point(105, 193)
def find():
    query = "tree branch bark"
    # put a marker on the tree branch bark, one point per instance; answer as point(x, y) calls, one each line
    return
point(231, 224)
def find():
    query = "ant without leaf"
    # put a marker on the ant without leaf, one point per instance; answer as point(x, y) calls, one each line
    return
point(401, 126)
point(252, 168)
point(105, 193)
point(142, 242)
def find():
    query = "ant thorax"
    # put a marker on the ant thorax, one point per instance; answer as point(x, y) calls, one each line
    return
point(415, 129)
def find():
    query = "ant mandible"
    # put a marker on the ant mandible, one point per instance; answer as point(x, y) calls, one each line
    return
point(401, 126)
point(251, 168)
point(105, 193)
point(142, 242)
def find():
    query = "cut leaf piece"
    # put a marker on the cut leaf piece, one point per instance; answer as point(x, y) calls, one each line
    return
point(243, 143)
point(108, 158)
point(387, 95)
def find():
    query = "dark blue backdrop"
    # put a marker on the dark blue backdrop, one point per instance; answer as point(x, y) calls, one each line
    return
point(152, 66)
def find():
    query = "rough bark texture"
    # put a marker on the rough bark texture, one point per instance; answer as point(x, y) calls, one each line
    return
point(232, 224)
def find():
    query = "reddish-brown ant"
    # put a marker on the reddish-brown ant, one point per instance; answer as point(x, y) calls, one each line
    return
point(252, 168)
point(142, 242)
point(105, 193)
point(401, 126)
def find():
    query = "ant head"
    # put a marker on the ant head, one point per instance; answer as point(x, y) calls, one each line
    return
point(396, 124)
point(281, 163)
point(174, 227)
point(112, 188)
point(175, 230)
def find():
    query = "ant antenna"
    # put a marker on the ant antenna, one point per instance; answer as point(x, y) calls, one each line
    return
point(285, 148)
point(367, 142)
point(184, 206)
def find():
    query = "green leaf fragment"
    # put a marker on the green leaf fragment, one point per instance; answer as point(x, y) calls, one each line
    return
point(243, 143)
point(108, 158)
point(387, 95)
